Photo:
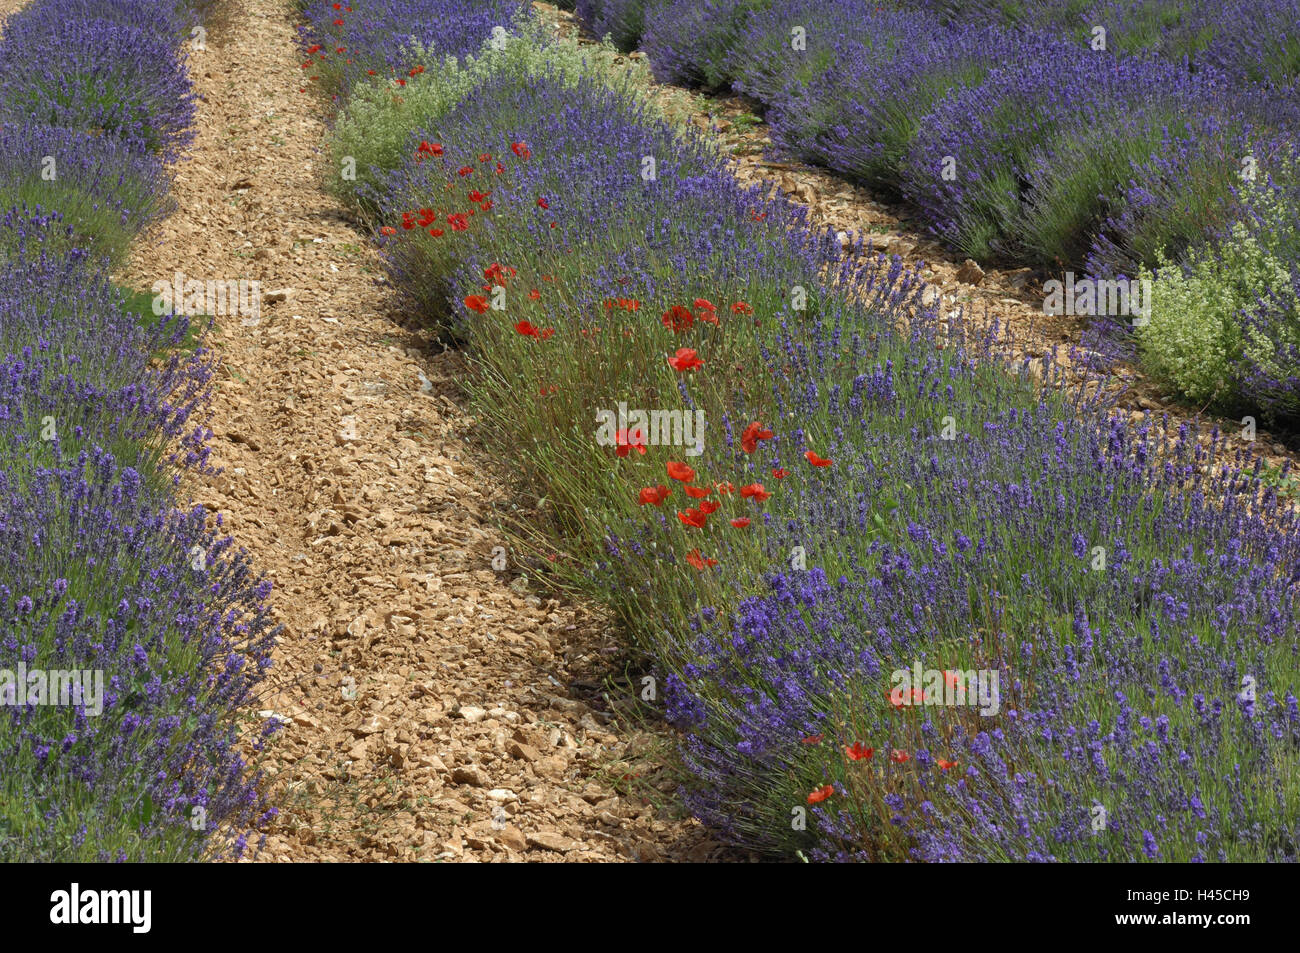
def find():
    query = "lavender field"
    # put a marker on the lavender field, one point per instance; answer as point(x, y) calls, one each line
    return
point(828, 569)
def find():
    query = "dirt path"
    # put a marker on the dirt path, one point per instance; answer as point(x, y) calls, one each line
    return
point(8, 8)
point(429, 707)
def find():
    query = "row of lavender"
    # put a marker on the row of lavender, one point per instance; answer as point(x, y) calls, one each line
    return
point(1125, 139)
point(132, 633)
point(846, 521)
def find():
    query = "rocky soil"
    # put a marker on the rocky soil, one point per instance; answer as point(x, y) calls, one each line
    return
point(8, 7)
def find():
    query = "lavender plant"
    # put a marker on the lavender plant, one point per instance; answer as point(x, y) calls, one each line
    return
point(108, 582)
point(103, 191)
point(623, 21)
point(375, 37)
point(95, 75)
point(969, 169)
point(688, 42)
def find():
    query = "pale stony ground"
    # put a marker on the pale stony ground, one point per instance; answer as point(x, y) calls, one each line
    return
point(434, 706)
point(8, 7)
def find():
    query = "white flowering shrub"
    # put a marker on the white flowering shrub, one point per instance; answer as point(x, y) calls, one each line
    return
point(1225, 326)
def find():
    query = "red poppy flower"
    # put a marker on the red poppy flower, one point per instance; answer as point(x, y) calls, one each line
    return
point(813, 739)
point(338, 22)
point(627, 440)
point(436, 232)
point(520, 149)
point(497, 274)
point(534, 294)
point(427, 217)
point(542, 203)
point(653, 495)
point(307, 65)
point(697, 492)
point(752, 435)
point(740, 523)
point(500, 168)
point(816, 460)
point(484, 157)
point(684, 360)
point(725, 487)
point(694, 558)
point(371, 72)
point(477, 303)
point(527, 329)
point(678, 319)
point(756, 491)
point(388, 230)
point(951, 678)
point(416, 71)
point(856, 752)
point(898, 699)
point(680, 471)
point(693, 517)
point(944, 764)
point(465, 170)
point(708, 506)
point(340, 49)
point(899, 757)
point(821, 794)
point(740, 307)
point(458, 222)
point(314, 48)
point(547, 333)
point(401, 82)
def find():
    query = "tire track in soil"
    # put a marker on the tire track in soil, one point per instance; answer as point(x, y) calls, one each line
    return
point(350, 474)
